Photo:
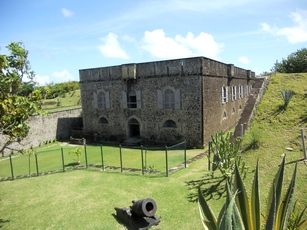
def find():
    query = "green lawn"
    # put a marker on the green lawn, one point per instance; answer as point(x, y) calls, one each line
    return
point(85, 199)
point(49, 158)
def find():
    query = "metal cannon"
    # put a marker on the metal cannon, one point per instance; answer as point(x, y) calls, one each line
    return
point(140, 216)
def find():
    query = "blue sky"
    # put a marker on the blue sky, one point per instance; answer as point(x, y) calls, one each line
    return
point(63, 36)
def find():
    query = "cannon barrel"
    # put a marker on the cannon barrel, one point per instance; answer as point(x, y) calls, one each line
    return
point(144, 208)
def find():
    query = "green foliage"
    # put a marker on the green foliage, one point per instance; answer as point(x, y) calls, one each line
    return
point(52, 90)
point(286, 96)
point(245, 212)
point(296, 220)
point(225, 153)
point(58, 102)
point(77, 151)
point(17, 103)
point(295, 63)
point(254, 140)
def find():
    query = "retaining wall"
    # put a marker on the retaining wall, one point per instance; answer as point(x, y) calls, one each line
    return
point(55, 125)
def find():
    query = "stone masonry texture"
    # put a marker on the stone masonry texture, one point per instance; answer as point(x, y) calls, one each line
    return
point(198, 85)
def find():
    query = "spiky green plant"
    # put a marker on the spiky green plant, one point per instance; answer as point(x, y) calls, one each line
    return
point(243, 212)
point(286, 96)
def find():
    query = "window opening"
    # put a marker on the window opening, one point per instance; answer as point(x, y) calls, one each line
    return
point(169, 99)
point(101, 100)
point(103, 120)
point(234, 96)
point(224, 95)
point(132, 103)
point(170, 124)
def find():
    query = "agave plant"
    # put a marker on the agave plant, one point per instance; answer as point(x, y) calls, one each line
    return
point(286, 96)
point(243, 212)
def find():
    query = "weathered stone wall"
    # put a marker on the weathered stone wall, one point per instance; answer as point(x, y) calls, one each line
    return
point(197, 82)
point(56, 125)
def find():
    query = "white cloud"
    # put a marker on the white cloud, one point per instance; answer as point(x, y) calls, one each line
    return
point(161, 46)
point(56, 77)
point(66, 13)
point(63, 76)
point(295, 34)
point(243, 60)
point(112, 48)
point(42, 80)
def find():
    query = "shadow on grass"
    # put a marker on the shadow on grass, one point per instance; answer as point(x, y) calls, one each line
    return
point(2, 222)
point(72, 164)
point(211, 187)
point(296, 161)
point(281, 109)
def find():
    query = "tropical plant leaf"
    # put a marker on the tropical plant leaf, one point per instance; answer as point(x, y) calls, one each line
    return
point(232, 218)
point(241, 198)
point(270, 221)
point(207, 216)
point(278, 182)
point(284, 208)
point(255, 202)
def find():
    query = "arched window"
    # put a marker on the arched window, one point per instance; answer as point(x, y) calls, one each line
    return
point(224, 115)
point(169, 99)
point(101, 100)
point(132, 99)
point(233, 110)
point(170, 124)
point(103, 121)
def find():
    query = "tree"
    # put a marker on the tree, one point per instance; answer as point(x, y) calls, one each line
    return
point(15, 108)
point(295, 63)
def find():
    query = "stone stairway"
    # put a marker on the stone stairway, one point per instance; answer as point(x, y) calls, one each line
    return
point(254, 98)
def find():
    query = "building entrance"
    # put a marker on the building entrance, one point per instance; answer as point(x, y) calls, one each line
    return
point(134, 128)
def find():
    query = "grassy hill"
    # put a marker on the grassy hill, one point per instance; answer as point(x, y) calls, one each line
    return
point(277, 130)
point(65, 101)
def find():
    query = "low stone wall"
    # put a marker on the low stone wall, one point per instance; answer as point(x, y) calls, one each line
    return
point(46, 128)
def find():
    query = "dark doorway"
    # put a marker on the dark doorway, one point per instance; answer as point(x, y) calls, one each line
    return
point(134, 128)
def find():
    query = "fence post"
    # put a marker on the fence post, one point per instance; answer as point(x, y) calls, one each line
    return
point(85, 153)
point(11, 163)
point(142, 158)
point(29, 165)
point(102, 162)
point(185, 154)
point(120, 158)
point(166, 161)
point(209, 153)
point(63, 159)
point(36, 161)
point(303, 141)
point(242, 134)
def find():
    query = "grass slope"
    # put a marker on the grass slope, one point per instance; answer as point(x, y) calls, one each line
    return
point(279, 130)
point(66, 101)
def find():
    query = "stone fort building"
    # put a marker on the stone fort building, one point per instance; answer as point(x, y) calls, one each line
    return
point(164, 101)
